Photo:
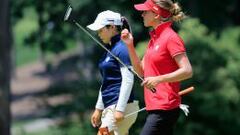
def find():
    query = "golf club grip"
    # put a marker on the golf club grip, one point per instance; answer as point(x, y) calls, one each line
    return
point(180, 93)
point(185, 91)
point(153, 90)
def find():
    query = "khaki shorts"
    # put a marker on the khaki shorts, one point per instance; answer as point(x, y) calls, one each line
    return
point(122, 127)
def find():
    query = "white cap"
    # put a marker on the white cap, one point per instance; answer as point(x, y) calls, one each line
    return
point(105, 18)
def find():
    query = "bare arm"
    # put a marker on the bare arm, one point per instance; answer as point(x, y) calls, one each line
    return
point(184, 72)
point(135, 60)
point(127, 38)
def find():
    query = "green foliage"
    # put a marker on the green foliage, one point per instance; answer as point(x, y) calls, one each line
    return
point(68, 128)
point(214, 56)
point(140, 48)
point(214, 14)
point(21, 30)
point(215, 103)
point(52, 33)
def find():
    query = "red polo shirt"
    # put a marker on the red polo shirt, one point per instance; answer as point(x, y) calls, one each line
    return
point(159, 60)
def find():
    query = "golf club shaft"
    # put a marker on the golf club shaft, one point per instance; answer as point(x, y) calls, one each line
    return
point(180, 93)
point(99, 43)
point(130, 114)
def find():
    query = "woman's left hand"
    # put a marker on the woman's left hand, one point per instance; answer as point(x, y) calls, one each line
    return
point(151, 82)
point(119, 116)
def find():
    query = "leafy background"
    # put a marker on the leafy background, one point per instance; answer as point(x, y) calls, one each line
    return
point(211, 34)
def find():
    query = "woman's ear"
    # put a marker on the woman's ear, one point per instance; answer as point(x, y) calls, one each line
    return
point(113, 26)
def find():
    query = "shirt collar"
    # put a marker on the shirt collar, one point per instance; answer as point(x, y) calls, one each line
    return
point(114, 40)
point(156, 32)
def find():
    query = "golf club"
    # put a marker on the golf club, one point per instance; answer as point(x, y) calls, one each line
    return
point(182, 106)
point(66, 18)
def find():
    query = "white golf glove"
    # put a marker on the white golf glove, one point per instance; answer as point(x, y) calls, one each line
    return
point(185, 109)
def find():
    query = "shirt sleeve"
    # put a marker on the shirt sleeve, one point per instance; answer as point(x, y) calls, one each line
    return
point(175, 45)
point(99, 104)
point(125, 89)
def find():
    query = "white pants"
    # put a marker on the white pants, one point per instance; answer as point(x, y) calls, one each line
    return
point(122, 127)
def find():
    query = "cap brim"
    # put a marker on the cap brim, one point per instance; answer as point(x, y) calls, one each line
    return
point(141, 7)
point(95, 26)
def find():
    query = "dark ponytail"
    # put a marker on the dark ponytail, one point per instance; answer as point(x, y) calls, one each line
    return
point(125, 25)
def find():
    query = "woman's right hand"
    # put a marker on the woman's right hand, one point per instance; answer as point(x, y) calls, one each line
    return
point(96, 118)
point(127, 37)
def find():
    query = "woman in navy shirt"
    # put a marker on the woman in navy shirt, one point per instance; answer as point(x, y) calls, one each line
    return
point(115, 97)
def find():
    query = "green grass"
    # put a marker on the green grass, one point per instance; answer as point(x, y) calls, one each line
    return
point(26, 55)
point(70, 128)
point(22, 29)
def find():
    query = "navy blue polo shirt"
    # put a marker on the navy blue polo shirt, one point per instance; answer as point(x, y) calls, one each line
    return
point(110, 71)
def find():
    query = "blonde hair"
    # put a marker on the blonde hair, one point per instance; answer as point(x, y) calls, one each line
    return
point(174, 8)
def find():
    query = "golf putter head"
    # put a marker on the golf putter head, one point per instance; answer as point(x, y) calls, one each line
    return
point(67, 13)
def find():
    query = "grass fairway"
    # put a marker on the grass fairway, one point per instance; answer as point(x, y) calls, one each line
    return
point(22, 29)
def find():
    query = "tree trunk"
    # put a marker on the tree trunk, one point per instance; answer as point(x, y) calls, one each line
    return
point(5, 60)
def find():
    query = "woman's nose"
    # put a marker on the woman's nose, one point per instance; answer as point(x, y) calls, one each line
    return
point(143, 14)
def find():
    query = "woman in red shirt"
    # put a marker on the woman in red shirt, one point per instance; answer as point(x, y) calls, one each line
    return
point(163, 66)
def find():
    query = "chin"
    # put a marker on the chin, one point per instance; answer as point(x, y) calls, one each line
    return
point(105, 42)
point(145, 24)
